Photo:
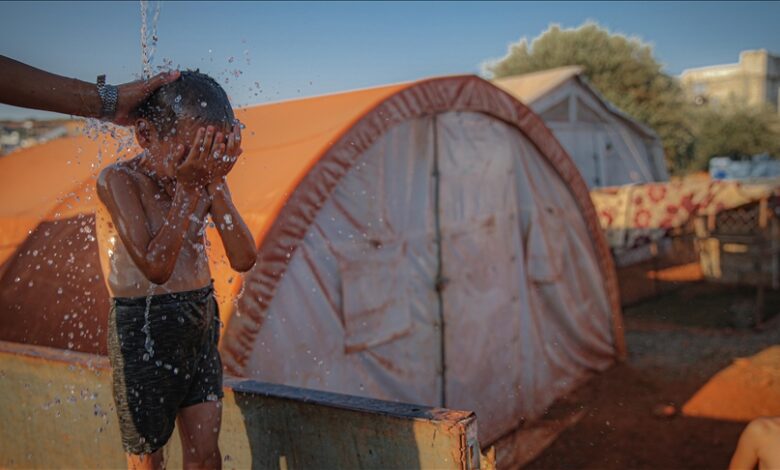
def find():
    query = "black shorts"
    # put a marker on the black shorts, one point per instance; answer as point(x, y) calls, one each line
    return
point(176, 365)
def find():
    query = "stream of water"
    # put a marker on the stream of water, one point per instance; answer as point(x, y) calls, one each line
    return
point(148, 46)
point(148, 37)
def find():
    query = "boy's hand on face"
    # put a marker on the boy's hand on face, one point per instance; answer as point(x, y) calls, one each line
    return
point(221, 164)
point(196, 171)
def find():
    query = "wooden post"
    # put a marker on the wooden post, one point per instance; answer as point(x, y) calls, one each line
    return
point(773, 236)
point(762, 213)
point(758, 313)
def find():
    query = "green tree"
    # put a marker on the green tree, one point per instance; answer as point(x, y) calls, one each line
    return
point(734, 131)
point(622, 69)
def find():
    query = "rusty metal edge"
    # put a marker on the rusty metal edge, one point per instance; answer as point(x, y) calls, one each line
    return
point(352, 402)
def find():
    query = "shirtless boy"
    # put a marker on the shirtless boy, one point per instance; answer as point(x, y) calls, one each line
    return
point(164, 323)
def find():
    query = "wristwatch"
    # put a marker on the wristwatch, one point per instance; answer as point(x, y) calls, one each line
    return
point(109, 95)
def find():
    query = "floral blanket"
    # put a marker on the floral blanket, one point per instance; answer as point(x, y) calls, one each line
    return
point(635, 215)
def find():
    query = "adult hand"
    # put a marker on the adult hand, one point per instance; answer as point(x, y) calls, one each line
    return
point(132, 94)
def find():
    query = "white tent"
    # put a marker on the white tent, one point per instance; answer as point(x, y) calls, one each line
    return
point(442, 250)
point(609, 147)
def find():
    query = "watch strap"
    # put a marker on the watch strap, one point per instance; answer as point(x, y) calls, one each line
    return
point(109, 95)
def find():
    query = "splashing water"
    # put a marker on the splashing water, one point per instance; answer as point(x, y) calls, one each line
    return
point(148, 46)
point(147, 328)
point(148, 40)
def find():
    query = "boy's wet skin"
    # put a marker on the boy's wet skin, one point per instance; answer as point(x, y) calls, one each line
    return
point(154, 186)
point(143, 190)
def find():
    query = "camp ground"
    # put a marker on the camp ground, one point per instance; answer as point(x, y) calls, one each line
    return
point(455, 235)
point(427, 242)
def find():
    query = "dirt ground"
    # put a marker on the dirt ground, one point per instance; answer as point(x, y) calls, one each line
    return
point(676, 344)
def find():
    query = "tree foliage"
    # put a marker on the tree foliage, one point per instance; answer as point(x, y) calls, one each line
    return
point(623, 70)
point(734, 131)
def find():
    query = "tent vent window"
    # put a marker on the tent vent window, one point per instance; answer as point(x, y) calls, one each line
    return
point(558, 112)
point(586, 114)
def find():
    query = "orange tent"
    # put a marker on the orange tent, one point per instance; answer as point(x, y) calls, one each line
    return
point(429, 242)
point(50, 188)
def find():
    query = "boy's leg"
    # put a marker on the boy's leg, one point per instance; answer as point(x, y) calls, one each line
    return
point(140, 388)
point(152, 461)
point(199, 427)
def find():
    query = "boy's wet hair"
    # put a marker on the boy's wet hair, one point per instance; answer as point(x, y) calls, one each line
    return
point(194, 96)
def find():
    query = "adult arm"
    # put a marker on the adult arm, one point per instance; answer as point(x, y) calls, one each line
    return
point(29, 87)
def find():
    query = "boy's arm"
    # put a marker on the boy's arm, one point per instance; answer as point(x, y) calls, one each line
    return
point(236, 237)
point(156, 254)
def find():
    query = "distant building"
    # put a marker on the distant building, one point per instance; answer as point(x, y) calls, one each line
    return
point(23, 134)
point(10, 139)
point(754, 81)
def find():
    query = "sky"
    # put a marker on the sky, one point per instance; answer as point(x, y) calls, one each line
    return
point(269, 51)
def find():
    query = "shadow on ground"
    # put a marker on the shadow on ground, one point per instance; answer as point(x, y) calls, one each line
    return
point(676, 344)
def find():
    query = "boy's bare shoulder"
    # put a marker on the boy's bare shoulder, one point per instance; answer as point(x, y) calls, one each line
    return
point(765, 425)
point(116, 170)
point(120, 174)
point(762, 432)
